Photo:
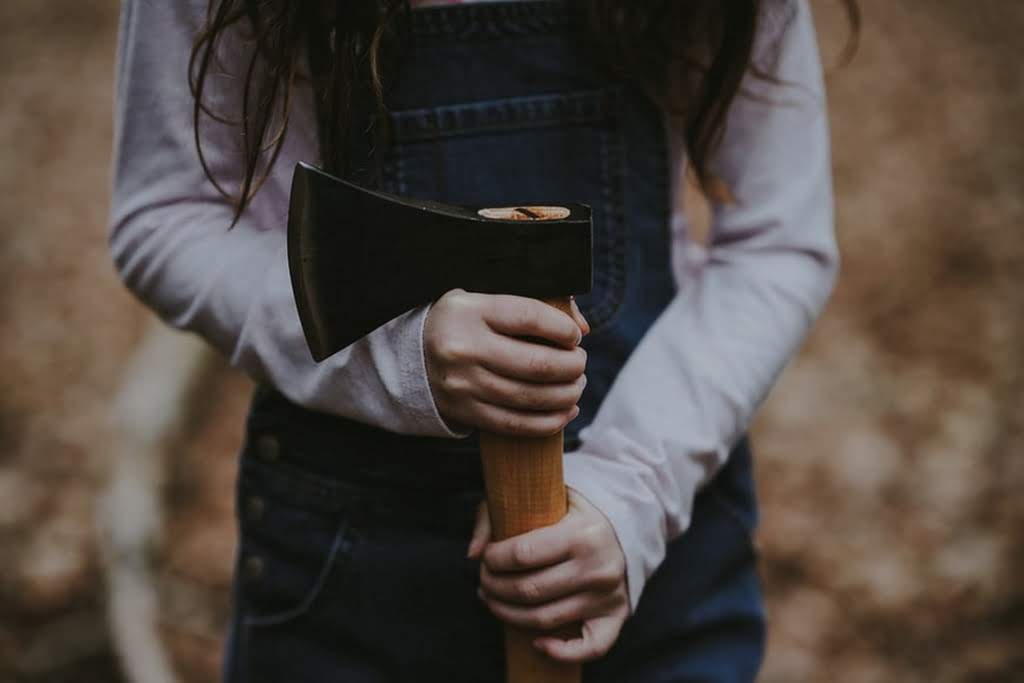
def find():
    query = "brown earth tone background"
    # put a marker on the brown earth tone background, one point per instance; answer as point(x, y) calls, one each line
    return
point(889, 456)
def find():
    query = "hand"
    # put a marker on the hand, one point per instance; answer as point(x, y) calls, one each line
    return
point(483, 373)
point(568, 573)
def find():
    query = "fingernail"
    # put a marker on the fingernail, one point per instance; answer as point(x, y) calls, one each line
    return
point(575, 412)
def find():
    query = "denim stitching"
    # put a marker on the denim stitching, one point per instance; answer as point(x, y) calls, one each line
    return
point(734, 514)
point(610, 280)
point(513, 113)
point(472, 21)
point(602, 106)
point(330, 565)
point(293, 484)
point(316, 492)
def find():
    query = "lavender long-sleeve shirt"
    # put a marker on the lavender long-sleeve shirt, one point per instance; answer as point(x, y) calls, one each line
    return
point(684, 397)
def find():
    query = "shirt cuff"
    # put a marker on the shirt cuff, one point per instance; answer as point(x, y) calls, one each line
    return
point(418, 384)
point(617, 491)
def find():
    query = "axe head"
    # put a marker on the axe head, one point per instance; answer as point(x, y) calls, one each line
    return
point(360, 257)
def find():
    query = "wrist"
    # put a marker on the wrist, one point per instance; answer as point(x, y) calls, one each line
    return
point(451, 428)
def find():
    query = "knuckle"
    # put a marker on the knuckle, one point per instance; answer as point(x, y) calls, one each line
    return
point(606, 578)
point(594, 536)
point(619, 565)
point(449, 382)
point(567, 399)
point(617, 569)
point(453, 383)
point(456, 300)
point(549, 426)
point(522, 553)
point(596, 533)
point(526, 316)
point(559, 423)
point(587, 540)
point(539, 365)
point(451, 350)
point(523, 396)
point(489, 384)
point(510, 423)
point(545, 619)
point(528, 591)
point(562, 331)
point(573, 334)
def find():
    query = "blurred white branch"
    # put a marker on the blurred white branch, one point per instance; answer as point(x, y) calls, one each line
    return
point(147, 417)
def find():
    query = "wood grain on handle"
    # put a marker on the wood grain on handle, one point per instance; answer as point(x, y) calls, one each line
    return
point(526, 490)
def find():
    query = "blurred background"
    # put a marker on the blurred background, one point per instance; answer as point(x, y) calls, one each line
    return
point(889, 456)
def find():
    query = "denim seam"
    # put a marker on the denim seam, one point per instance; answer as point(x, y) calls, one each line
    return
point(317, 493)
point(513, 113)
point(472, 21)
point(603, 106)
point(330, 565)
point(611, 278)
point(715, 497)
point(291, 483)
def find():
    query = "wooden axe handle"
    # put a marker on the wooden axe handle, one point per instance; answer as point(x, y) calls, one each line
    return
point(525, 491)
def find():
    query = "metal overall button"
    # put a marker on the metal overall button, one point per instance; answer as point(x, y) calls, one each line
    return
point(287, 571)
point(253, 567)
point(268, 447)
point(254, 508)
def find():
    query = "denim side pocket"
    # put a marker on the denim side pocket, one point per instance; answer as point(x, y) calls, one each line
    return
point(291, 543)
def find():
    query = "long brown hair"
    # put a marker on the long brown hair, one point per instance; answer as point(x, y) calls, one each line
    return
point(351, 47)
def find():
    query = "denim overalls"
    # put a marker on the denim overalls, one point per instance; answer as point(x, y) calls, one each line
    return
point(351, 565)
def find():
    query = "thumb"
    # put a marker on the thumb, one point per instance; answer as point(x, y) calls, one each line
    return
point(577, 316)
point(597, 637)
point(481, 532)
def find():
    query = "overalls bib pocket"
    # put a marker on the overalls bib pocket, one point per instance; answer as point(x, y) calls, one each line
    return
point(547, 148)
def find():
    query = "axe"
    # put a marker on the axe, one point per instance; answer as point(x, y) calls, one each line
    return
point(360, 257)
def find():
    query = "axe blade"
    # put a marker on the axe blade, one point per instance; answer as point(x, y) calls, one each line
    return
point(360, 257)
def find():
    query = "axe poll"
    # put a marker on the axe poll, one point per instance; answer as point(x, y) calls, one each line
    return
point(360, 257)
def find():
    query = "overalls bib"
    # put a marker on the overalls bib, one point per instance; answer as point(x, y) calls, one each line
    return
point(351, 564)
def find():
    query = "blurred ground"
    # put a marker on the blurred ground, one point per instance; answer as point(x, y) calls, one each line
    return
point(889, 456)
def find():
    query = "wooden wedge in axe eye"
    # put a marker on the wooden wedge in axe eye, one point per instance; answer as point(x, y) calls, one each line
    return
point(359, 258)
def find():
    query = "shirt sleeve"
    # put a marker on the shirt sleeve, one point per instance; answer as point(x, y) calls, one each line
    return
point(690, 388)
point(171, 244)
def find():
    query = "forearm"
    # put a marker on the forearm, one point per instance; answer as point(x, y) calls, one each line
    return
point(173, 243)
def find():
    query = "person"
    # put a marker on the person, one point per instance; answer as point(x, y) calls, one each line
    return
point(364, 549)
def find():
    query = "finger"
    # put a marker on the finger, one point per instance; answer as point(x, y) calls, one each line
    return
point(549, 616)
point(577, 315)
point(481, 531)
point(531, 362)
point(495, 389)
point(533, 588)
point(524, 317)
point(533, 550)
point(514, 422)
point(597, 637)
